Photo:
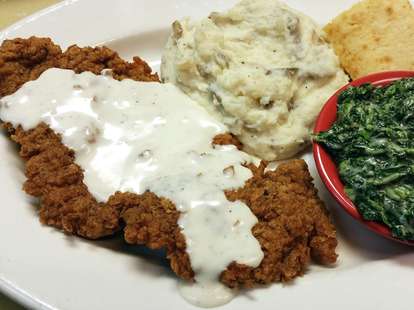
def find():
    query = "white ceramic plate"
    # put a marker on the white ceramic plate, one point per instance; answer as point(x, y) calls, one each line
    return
point(43, 268)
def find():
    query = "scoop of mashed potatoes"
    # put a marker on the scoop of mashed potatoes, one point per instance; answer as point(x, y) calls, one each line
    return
point(262, 68)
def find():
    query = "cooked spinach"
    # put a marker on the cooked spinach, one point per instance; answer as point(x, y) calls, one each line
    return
point(372, 142)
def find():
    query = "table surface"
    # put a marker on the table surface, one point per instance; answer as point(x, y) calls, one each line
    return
point(11, 11)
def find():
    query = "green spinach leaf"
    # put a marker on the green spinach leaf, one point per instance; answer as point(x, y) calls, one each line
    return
point(372, 142)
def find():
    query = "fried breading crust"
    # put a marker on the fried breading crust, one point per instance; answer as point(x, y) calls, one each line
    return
point(293, 225)
point(22, 60)
point(53, 176)
point(227, 139)
point(51, 172)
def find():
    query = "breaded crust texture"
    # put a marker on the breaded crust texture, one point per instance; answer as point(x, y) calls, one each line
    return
point(293, 224)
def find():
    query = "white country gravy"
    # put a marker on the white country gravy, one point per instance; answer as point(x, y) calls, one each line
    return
point(138, 136)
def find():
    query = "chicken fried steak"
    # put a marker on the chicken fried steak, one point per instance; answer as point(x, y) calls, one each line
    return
point(293, 225)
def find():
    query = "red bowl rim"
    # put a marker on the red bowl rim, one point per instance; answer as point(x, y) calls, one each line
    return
point(326, 166)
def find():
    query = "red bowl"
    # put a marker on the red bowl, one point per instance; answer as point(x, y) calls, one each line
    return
point(327, 167)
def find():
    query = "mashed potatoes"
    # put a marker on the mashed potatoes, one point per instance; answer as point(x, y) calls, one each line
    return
point(261, 68)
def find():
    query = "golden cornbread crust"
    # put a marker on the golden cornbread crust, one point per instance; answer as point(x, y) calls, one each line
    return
point(293, 225)
point(373, 36)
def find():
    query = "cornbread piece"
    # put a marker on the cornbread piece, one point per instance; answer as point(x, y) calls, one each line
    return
point(293, 226)
point(374, 35)
point(293, 223)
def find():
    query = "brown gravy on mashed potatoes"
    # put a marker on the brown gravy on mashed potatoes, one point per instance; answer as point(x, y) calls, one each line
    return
point(262, 68)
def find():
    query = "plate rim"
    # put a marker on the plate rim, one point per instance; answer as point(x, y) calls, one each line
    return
point(25, 20)
point(8, 287)
point(21, 297)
